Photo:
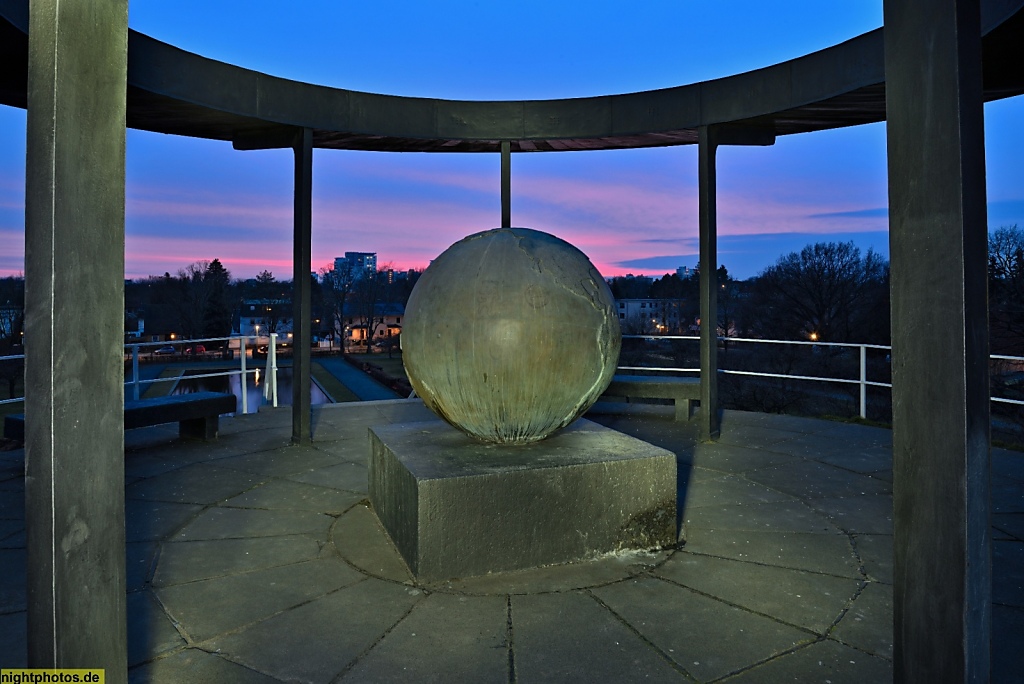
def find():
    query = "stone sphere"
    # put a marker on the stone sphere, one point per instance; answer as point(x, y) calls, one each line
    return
point(510, 335)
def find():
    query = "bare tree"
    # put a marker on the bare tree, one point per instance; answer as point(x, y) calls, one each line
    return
point(337, 286)
point(373, 291)
point(201, 300)
point(826, 292)
point(1006, 289)
point(193, 298)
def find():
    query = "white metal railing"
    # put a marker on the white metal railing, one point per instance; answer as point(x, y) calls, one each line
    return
point(136, 381)
point(136, 349)
point(270, 384)
point(862, 381)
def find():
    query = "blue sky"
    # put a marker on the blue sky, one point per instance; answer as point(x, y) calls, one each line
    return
point(630, 210)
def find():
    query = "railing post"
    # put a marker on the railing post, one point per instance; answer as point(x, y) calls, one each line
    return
point(863, 381)
point(135, 371)
point(243, 376)
point(272, 379)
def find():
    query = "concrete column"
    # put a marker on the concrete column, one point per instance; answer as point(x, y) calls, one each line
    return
point(707, 148)
point(74, 371)
point(938, 244)
point(506, 184)
point(302, 259)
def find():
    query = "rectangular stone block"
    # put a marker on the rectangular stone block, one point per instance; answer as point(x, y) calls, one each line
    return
point(456, 507)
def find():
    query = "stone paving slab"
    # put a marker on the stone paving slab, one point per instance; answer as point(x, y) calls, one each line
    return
point(867, 625)
point(12, 586)
point(780, 516)
point(199, 483)
point(150, 631)
point(841, 445)
point(876, 461)
point(190, 561)
point(9, 528)
point(12, 506)
point(705, 638)
point(211, 607)
point(350, 477)
point(197, 667)
point(737, 458)
point(1007, 497)
point(570, 637)
point(16, 540)
point(813, 480)
point(155, 520)
point(875, 551)
point(1008, 574)
point(319, 640)
point(730, 489)
point(830, 554)
point(140, 560)
point(1008, 464)
point(362, 542)
point(13, 645)
point(869, 514)
point(765, 437)
point(823, 661)
point(288, 495)
point(1011, 524)
point(288, 460)
point(1007, 643)
point(443, 639)
point(848, 433)
point(221, 522)
point(811, 601)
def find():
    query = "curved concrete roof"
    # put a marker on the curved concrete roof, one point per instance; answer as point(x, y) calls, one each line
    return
point(178, 92)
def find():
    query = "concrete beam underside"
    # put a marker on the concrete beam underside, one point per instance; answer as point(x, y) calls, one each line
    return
point(74, 269)
point(938, 245)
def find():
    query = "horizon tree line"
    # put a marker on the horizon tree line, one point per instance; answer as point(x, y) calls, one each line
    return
point(828, 290)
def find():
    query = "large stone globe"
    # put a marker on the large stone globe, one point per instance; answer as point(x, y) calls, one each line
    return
point(510, 335)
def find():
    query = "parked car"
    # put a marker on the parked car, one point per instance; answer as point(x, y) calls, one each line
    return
point(198, 349)
point(165, 350)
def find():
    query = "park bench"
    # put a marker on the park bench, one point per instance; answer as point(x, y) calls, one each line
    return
point(683, 391)
point(196, 414)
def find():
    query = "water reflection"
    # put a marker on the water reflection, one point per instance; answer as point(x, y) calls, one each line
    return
point(254, 388)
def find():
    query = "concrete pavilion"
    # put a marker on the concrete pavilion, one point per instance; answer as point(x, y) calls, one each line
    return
point(927, 73)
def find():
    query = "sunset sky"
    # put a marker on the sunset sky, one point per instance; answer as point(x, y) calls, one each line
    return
point(630, 211)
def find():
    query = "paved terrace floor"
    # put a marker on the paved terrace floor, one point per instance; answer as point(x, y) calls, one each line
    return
point(253, 561)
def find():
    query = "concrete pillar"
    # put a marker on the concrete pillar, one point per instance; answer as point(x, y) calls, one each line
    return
point(707, 148)
point(74, 371)
point(506, 184)
point(938, 245)
point(302, 260)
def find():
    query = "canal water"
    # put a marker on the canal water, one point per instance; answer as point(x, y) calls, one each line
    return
point(254, 387)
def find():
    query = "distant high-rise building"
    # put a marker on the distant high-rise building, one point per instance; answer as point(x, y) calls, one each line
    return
point(362, 261)
point(356, 263)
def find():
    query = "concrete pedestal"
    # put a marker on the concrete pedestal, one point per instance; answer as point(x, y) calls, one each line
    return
point(455, 507)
